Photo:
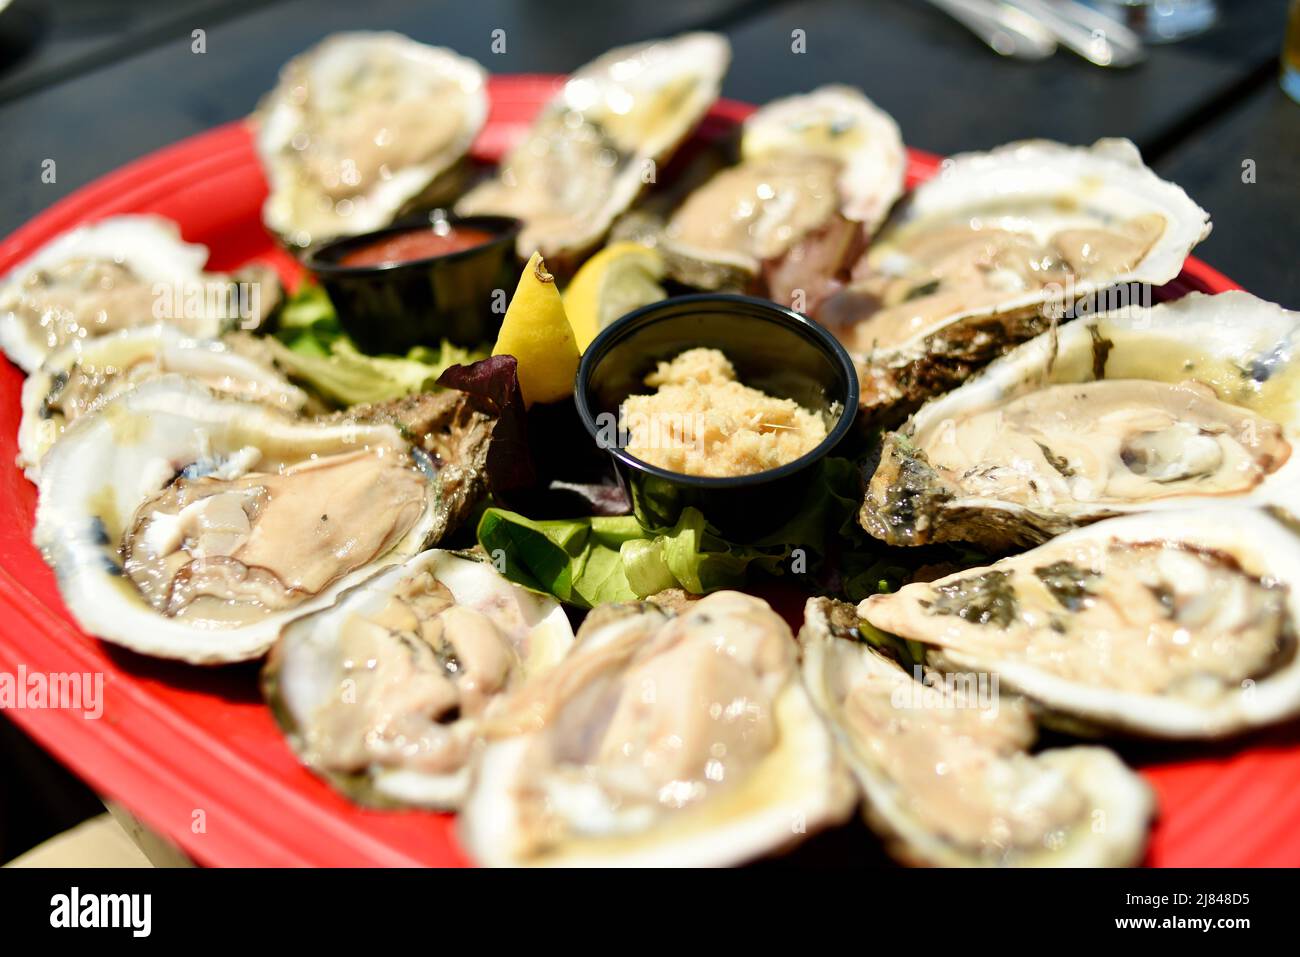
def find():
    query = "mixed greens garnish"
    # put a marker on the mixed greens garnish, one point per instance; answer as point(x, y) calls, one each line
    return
point(312, 348)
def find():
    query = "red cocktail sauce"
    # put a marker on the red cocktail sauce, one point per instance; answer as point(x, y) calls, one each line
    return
point(415, 244)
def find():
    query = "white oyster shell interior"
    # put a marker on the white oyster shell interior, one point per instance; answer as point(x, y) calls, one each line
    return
point(686, 740)
point(806, 160)
point(1171, 624)
point(359, 127)
point(597, 143)
point(945, 770)
point(839, 123)
point(83, 376)
point(1033, 225)
point(188, 526)
point(1196, 402)
point(393, 681)
point(118, 273)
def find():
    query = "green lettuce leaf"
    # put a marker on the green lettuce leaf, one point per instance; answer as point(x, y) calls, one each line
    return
point(591, 561)
point(312, 349)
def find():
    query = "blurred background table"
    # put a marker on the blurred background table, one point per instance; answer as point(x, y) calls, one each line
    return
point(92, 84)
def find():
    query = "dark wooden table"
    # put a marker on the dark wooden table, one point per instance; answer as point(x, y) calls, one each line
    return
point(92, 84)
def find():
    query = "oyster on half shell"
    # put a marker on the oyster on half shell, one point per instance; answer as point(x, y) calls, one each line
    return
point(121, 273)
point(81, 377)
point(660, 740)
point(362, 128)
point(996, 248)
point(1189, 403)
point(1176, 624)
point(945, 772)
point(383, 692)
point(818, 169)
point(596, 144)
point(185, 525)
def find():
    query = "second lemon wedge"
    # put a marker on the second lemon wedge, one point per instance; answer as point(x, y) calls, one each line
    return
point(621, 277)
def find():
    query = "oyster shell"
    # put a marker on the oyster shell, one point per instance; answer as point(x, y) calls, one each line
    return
point(361, 128)
point(1185, 404)
point(81, 377)
point(1177, 624)
point(184, 525)
point(596, 145)
point(685, 740)
point(996, 248)
point(382, 693)
point(840, 123)
point(119, 273)
point(945, 772)
point(823, 166)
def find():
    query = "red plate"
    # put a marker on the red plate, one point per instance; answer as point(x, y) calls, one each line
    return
point(195, 753)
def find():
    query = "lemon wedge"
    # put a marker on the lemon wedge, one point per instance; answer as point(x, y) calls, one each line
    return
point(621, 277)
point(537, 333)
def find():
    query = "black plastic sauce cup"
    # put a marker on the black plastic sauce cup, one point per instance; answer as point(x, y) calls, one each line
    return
point(773, 349)
point(394, 306)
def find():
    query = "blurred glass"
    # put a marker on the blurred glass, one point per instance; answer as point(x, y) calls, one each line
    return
point(1162, 21)
point(1291, 54)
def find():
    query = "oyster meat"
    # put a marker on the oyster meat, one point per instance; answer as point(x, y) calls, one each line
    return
point(944, 768)
point(1175, 624)
point(362, 128)
point(120, 273)
point(83, 376)
point(186, 525)
point(383, 692)
point(995, 249)
point(660, 739)
point(817, 171)
point(598, 142)
point(1186, 403)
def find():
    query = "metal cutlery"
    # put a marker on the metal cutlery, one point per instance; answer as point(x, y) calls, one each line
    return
point(1031, 29)
point(1007, 31)
point(1098, 38)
